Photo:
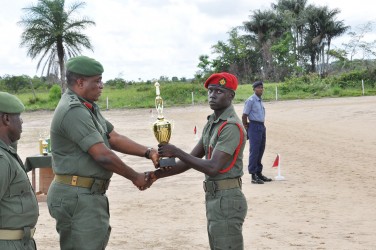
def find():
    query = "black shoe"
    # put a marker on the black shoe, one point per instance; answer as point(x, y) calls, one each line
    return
point(256, 179)
point(263, 178)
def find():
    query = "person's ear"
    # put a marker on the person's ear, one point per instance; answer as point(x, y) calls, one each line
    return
point(232, 95)
point(80, 82)
point(5, 118)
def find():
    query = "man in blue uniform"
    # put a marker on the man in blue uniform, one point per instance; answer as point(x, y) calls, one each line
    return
point(253, 120)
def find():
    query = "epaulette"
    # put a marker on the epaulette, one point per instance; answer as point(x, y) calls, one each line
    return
point(232, 120)
point(74, 101)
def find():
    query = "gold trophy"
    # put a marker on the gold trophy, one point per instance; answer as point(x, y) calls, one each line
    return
point(162, 128)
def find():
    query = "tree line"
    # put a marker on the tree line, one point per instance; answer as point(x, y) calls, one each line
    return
point(292, 38)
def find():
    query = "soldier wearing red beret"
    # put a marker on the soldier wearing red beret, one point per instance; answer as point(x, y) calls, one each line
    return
point(219, 155)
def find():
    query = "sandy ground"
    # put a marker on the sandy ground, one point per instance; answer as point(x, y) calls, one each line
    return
point(327, 201)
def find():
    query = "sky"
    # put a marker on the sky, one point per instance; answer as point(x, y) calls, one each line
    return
point(145, 39)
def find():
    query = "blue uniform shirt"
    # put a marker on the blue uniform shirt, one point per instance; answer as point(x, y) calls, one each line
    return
point(254, 108)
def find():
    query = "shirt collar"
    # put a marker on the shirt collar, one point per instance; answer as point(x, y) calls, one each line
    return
point(257, 97)
point(90, 105)
point(7, 147)
point(224, 116)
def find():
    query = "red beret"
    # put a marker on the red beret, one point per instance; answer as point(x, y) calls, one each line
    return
point(224, 79)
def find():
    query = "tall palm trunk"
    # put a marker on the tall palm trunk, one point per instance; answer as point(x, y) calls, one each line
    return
point(60, 55)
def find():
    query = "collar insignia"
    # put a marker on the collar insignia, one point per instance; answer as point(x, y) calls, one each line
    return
point(88, 105)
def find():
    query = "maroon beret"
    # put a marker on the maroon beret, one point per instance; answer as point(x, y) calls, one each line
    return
point(224, 79)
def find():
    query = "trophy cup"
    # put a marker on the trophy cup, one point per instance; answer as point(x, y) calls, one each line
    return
point(162, 128)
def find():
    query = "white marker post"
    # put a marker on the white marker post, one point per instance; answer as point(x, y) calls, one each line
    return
point(362, 87)
point(196, 134)
point(279, 177)
point(107, 103)
point(276, 93)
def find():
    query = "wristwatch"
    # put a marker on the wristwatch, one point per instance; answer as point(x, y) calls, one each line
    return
point(147, 153)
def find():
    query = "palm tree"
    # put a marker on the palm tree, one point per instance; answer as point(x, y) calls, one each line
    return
point(322, 28)
point(337, 28)
point(293, 14)
point(266, 26)
point(54, 34)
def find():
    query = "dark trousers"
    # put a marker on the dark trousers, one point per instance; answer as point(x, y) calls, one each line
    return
point(257, 140)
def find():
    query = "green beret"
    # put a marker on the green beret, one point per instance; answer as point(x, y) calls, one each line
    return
point(85, 66)
point(10, 104)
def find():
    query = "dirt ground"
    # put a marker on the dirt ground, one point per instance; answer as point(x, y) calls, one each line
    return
point(327, 200)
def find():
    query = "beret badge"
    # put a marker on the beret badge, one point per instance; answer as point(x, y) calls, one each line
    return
point(222, 81)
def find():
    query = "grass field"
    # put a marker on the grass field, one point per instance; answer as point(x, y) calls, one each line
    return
point(179, 94)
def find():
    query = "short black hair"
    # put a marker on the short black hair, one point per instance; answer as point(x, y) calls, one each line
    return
point(72, 77)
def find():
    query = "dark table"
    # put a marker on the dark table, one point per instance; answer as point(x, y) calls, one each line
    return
point(46, 175)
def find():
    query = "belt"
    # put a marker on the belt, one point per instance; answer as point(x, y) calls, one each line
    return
point(213, 186)
point(96, 185)
point(7, 234)
point(257, 122)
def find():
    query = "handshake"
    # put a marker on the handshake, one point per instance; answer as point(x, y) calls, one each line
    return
point(149, 177)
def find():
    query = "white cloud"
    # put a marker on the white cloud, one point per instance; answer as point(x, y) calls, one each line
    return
point(150, 38)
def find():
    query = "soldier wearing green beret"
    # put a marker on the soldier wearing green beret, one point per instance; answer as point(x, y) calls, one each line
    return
point(18, 205)
point(83, 160)
point(221, 145)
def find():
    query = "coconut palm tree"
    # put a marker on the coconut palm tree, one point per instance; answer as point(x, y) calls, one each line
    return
point(266, 27)
point(321, 29)
point(292, 12)
point(54, 34)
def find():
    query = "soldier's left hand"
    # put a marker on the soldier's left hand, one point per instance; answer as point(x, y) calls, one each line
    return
point(167, 150)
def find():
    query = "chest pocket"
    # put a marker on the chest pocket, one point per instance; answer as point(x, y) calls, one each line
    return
point(101, 126)
point(20, 197)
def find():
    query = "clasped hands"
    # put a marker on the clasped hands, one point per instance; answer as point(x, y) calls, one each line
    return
point(164, 150)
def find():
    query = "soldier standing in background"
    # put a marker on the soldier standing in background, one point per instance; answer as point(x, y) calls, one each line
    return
point(18, 205)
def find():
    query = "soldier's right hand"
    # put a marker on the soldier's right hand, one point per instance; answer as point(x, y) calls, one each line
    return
point(141, 181)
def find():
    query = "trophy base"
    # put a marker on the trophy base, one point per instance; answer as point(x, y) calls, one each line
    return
point(167, 162)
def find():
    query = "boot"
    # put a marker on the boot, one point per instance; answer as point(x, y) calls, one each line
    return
point(263, 177)
point(256, 179)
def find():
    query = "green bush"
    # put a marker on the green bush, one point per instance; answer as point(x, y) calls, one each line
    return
point(54, 93)
point(33, 100)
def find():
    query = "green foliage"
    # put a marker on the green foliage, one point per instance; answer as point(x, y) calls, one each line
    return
point(33, 100)
point(53, 32)
point(54, 93)
point(117, 83)
point(178, 93)
point(310, 83)
point(15, 83)
point(353, 79)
